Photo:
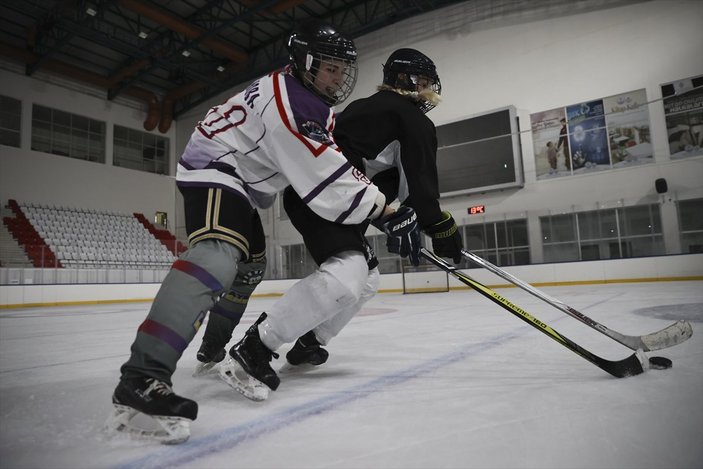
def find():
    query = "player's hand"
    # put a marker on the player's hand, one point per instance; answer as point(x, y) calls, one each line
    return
point(403, 233)
point(446, 239)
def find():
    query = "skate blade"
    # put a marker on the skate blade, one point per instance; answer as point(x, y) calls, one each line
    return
point(172, 431)
point(288, 369)
point(234, 375)
point(205, 369)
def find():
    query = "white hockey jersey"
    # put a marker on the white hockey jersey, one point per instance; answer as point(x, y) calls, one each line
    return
point(274, 134)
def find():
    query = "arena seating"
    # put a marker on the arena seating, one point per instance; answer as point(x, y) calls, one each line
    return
point(29, 239)
point(88, 238)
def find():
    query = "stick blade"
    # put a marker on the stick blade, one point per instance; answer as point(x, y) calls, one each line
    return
point(675, 334)
point(635, 364)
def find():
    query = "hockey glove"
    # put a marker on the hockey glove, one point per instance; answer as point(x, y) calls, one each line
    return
point(446, 239)
point(403, 233)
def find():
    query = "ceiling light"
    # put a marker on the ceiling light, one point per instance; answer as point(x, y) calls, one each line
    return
point(185, 53)
point(220, 68)
point(91, 11)
point(143, 35)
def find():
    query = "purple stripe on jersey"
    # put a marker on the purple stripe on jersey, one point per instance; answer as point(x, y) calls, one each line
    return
point(185, 164)
point(166, 334)
point(195, 156)
point(199, 273)
point(223, 168)
point(305, 105)
point(355, 203)
point(273, 175)
point(230, 171)
point(320, 187)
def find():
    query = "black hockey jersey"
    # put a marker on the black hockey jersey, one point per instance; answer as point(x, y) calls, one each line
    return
point(389, 138)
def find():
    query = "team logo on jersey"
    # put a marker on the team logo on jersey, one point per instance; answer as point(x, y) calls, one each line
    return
point(316, 132)
point(360, 176)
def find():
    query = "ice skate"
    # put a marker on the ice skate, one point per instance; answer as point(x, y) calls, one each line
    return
point(232, 373)
point(208, 356)
point(170, 412)
point(305, 355)
point(247, 368)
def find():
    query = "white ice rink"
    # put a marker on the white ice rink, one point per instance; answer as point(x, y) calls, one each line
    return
point(442, 380)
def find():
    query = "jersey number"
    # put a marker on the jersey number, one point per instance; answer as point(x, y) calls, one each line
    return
point(216, 122)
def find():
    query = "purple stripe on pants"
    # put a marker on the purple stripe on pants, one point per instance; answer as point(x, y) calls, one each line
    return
point(164, 333)
point(199, 273)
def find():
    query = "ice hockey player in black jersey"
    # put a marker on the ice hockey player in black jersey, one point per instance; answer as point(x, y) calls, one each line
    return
point(272, 135)
point(388, 137)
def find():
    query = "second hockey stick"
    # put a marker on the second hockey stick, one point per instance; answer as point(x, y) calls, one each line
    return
point(674, 334)
point(633, 365)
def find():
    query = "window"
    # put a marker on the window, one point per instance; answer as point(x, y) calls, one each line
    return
point(603, 234)
point(66, 134)
point(283, 215)
point(598, 235)
point(641, 231)
point(10, 119)
point(691, 225)
point(388, 263)
point(297, 262)
point(139, 150)
point(559, 238)
point(501, 243)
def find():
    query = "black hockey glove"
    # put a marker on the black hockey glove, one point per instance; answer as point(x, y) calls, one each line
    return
point(403, 233)
point(446, 239)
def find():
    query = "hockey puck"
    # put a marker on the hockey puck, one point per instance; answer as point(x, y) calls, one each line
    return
point(659, 363)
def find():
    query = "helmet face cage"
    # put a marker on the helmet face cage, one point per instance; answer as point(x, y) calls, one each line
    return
point(318, 48)
point(331, 92)
point(434, 85)
point(405, 69)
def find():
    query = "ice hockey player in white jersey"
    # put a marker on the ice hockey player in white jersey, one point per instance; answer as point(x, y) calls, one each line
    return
point(386, 135)
point(390, 138)
point(274, 134)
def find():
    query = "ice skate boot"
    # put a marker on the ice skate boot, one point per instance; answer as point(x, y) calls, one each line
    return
point(154, 399)
point(247, 367)
point(208, 356)
point(306, 354)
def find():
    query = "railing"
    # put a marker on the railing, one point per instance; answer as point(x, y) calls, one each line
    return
point(65, 276)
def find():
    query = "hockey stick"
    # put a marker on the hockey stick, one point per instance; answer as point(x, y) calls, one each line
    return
point(633, 365)
point(674, 334)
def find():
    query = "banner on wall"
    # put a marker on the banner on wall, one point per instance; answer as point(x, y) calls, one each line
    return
point(592, 136)
point(551, 143)
point(629, 137)
point(683, 111)
point(587, 136)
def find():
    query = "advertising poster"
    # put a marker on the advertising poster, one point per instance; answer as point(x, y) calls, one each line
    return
point(627, 119)
point(551, 145)
point(588, 137)
point(683, 110)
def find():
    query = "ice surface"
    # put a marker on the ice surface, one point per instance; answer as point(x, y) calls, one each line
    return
point(416, 381)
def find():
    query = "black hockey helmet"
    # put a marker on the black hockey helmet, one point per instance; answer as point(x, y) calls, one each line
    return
point(314, 41)
point(404, 69)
